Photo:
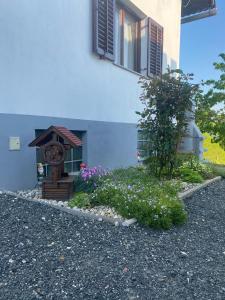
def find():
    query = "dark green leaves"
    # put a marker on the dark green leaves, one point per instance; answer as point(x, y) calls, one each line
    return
point(168, 108)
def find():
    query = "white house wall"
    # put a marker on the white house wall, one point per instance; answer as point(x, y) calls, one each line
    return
point(48, 68)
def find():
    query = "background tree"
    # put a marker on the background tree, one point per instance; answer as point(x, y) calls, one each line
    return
point(168, 102)
point(210, 106)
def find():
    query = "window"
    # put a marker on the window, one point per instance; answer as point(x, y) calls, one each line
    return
point(142, 145)
point(73, 157)
point(136, 43)
point(127, 39)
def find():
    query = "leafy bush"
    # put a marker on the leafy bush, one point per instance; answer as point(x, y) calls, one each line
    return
point(130, 175)
point(152, 204)
point(167, 107)
point(189, 175)
point(218, 170)
point(206, 171)
point(89, 179)
point(190, 166)
point(202, 168)
point(80, 200)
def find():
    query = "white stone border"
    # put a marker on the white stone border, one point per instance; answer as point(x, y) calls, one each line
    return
point(78, 212)
point(115, 221)
point(190, 192)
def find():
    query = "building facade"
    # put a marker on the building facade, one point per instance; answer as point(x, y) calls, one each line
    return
point(77, 64)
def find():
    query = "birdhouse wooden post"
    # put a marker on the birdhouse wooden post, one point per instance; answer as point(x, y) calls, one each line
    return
point(53, 143)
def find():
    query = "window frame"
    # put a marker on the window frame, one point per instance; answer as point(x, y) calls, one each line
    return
point(146, 47)
point(143, 140)
point(123, 10)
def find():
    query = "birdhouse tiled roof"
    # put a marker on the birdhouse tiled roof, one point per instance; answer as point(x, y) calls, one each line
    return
point(64, 133)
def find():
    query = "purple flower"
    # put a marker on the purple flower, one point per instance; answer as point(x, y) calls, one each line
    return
point(93, 173)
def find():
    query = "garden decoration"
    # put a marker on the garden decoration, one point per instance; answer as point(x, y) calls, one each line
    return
point(53, 144)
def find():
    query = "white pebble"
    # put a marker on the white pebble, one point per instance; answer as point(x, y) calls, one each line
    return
point(184, 254)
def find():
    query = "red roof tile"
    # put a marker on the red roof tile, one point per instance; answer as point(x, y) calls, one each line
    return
point(71, 137)
point(61, 131)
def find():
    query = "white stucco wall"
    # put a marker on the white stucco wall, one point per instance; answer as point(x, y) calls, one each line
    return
point(47, 67)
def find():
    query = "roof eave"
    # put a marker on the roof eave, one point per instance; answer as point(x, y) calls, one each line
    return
point(204, 14)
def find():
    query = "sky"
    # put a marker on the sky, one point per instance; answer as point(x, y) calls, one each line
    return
point(201, 43)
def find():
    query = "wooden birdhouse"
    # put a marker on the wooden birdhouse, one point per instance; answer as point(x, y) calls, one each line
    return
point(53, 143)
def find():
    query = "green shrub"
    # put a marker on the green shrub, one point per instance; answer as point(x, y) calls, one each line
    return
point(85, 186)
point(190, 161)
point(130, 175)
point(218, 170)
point(206, 171)
point(164, 118)
point(80, 200)
point(152, 204)
point(189, 175)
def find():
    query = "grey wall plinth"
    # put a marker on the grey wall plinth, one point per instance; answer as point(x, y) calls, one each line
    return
point(108, 144)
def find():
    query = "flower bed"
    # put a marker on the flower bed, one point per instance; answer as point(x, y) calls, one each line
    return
point(132, 194)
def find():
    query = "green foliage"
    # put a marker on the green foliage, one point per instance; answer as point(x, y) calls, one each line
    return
point(85, 186)
point(131, 175)
point(80, 200)
point(189, 175)
point(168, 102)
point(191, 169)
point(80, 185)
point(218, 170)
point(136, 195)
point(202, 168)
point(209, 117)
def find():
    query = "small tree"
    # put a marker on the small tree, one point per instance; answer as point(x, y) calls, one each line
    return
point(210, 109)
point(168, 102)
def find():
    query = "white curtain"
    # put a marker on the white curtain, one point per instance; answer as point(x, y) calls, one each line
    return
point(129, 42)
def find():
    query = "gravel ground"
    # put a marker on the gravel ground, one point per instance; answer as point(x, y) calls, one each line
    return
point(48, 254)
point(101, 211)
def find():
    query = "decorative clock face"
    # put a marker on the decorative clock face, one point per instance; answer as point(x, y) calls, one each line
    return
point(54, 153)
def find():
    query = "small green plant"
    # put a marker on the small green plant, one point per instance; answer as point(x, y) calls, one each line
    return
point(191, 162)
point(80, 200)
point(218, 170)
point(189, 175)
point(131, 175)
point(154, 204)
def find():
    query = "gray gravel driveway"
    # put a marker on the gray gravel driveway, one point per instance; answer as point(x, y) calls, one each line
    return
point(49, 254)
